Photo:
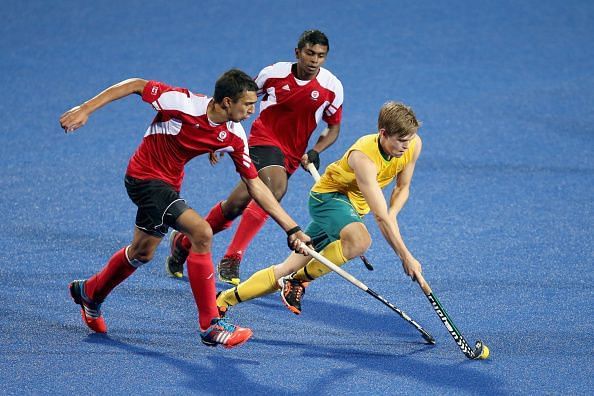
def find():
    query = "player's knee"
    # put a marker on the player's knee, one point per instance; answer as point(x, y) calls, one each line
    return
point(201, 236)
point(138, 256)
point(355, 244)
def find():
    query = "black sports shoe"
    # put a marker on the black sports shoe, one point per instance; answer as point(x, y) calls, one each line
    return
point(228, 269)
point(174, 263)
point(291, 294)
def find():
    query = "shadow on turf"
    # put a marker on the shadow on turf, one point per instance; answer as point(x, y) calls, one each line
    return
point(203, 377)
point(396, 335)
point(346, 316)
point(198, 377)
point(458, 376)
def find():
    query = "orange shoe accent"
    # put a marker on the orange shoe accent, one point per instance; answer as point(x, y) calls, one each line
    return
point(240, 337)
point(97, 325)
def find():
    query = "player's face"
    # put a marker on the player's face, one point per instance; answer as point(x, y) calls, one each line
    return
point(243, 107)
point(395, 145)
point(309, 60)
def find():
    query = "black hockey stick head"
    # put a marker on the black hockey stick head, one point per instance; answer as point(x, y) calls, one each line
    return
point(429, 338)
point(368, 265)
point(480, 351)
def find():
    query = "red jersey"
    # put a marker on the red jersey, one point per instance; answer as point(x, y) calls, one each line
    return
point(181, 131)
point(291, 109)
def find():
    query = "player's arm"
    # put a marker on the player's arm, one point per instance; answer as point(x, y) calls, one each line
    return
point(263, 197)
point(326, 139)
point(402, 190)
point(365, 172)
point(78, 116)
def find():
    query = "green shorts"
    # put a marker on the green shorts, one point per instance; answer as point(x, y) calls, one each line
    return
point(330, 213)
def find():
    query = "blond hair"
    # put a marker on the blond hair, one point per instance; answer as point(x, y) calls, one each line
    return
point(397, 119)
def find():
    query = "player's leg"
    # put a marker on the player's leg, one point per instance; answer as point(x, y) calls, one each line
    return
point(122, 264)
point(261, 283)
point(213, 329)
point(337, 232)
point(354, 241)
point(337, 220)
point(152, 198)
point(269, 161)
point(220, 217)
point(266, 281)
point(91, 293)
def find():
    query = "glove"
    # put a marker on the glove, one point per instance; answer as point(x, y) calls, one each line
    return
point(314, 157)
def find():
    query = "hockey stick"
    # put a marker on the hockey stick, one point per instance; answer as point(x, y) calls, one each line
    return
point(316, 175)
point(480, 350)
point(366, 289)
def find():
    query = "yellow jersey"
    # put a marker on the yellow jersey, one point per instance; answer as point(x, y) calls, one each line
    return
point(339, 177)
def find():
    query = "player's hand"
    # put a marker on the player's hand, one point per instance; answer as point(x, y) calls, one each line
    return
point(311, 157)
point(412, 268)
point(74, 119)
point(214, 158)
point(296, 239)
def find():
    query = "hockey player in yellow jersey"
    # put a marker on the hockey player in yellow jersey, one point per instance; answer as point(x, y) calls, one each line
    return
point(349, 189)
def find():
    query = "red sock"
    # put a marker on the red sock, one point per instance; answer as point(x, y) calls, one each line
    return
point(218, 222)
point(252, 221)
point(202, 281)
point(118, 268)
point(185, 242)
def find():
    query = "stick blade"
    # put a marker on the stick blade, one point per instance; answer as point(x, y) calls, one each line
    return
point(480, 351)
point(429, 339)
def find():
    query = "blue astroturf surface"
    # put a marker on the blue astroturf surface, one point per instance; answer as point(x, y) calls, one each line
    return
point(500, 213)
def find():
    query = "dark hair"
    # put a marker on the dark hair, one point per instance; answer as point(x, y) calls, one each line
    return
point(313, 37)
point(232, 84)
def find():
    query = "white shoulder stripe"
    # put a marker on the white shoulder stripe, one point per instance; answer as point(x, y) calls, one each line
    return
point(174, 100)
point(330, 82)
point(277, 70)
point(171, 127)
point(237, 129)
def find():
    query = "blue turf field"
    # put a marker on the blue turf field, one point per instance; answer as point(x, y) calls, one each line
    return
point(501, 211)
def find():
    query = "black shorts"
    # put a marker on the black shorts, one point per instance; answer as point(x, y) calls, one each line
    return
point(264, 156)
point(159, 205)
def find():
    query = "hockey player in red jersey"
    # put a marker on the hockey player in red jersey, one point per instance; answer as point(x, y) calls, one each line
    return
point(186, 125)
point(295, 98)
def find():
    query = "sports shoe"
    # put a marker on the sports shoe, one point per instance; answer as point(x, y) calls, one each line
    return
point(91, 311)
point(222, 333)
point(291, 294)
point(174, 263)
point(228, 269)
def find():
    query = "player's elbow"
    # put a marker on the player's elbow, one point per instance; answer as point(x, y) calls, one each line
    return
point(136, 84)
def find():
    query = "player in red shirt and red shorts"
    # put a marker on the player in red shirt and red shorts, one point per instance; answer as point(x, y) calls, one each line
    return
point(295, 98)
point(186, 125)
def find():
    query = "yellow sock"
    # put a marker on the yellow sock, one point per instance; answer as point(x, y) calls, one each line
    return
point(257, 285)
point(314, 269)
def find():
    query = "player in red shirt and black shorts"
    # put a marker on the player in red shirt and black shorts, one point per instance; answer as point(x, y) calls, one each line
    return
point(186, 125)
point(295, 98)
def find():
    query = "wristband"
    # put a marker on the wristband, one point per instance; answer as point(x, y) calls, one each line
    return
point(293, 230)
point(314, 157)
